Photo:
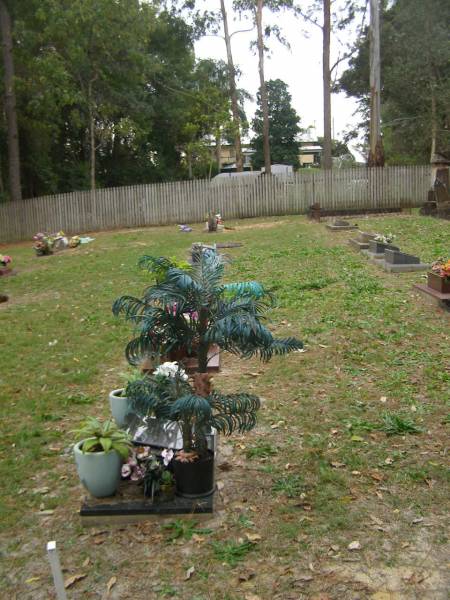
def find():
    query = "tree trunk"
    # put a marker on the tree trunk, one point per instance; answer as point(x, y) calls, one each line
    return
point(92, 149)
point(233, 93)
point(219, 151)
point(327, 162)
point(189, 162)
point(433, 122)
point(10, 104)
point(376, 152)
point(263, 90)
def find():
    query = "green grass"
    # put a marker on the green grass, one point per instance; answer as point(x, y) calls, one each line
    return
point(323, 459)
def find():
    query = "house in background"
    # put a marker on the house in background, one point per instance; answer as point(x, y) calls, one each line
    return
point(310, 154)
point(228, 157)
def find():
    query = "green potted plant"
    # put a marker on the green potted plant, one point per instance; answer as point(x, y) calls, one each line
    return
point(167, 394)
point(193, 309)
point(118, 400)
point(439, 276)
point(99, 453)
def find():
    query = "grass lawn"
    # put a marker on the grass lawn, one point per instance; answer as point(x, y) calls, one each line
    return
point(320, 471)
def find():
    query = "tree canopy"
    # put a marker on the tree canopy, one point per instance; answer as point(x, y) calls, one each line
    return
point(415, 74)
point(109, 93)
point(284, 127)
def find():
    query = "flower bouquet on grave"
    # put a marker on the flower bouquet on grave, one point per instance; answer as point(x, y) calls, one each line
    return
point(150, 469)
point(5, 261)
point(387, 238)
point(43, 244)
point(439, 276)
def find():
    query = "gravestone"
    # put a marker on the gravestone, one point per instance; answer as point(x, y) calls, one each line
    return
point(399, 262)
point(361, 242)
point(438, 200)
point(340, 225)
point(396, 257)
point(376, 250)
point(161, 434)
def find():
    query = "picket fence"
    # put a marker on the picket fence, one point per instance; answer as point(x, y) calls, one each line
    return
point(235, 197)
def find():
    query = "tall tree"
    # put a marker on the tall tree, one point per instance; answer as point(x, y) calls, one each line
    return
point(10, 103)
point(284, 126)
point(416, 80)
point(326, 75)
point(376, 153)
point(233, 92)
point(320, 14)
point(262, 87)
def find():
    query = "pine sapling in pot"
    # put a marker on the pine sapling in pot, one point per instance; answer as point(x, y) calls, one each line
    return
point(194, 308)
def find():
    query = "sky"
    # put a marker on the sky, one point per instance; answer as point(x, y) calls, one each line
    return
point(300, 67)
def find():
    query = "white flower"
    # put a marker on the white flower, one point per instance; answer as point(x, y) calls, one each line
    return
point(171, 369)
point(126, 471)
point(167, 455)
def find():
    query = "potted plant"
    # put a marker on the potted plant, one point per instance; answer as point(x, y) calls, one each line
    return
point(439, 276)
point(193, 308)
point(99, 455)
point(167, 394)
point(118, 400)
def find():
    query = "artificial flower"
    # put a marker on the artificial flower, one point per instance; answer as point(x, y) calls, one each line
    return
point(167, 455)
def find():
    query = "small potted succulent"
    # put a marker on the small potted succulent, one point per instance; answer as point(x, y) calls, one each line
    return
point(439, 276)
point(5, 261)
point(99, 456)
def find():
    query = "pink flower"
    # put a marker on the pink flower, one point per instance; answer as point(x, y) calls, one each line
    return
point(137, 474)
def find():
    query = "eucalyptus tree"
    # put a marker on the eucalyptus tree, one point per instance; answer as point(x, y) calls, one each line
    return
point(330, 16)
point(416, 80)
point(255, 9)
point(10, 102)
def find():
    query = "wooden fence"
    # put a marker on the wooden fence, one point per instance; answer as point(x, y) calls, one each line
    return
point(189, 201)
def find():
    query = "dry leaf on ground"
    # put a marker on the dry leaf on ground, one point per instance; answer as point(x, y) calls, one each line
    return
point(111, 583)
point(69, 582)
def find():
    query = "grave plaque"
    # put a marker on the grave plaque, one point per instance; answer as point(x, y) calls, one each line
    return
point(380, 248)
point(400, 258)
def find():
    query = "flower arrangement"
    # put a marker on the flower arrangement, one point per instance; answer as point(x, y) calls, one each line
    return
point(5, 260)
point(74, 241)
point(43, 244)
point(149, 469)
point(387, 238)
point(441, 267)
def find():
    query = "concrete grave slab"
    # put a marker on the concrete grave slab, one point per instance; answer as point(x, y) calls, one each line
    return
point(399, 262)
point(361, 242)
point(433, 296)
point(340, 225)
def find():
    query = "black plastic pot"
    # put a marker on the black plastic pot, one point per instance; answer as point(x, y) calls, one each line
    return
point(194, 479)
